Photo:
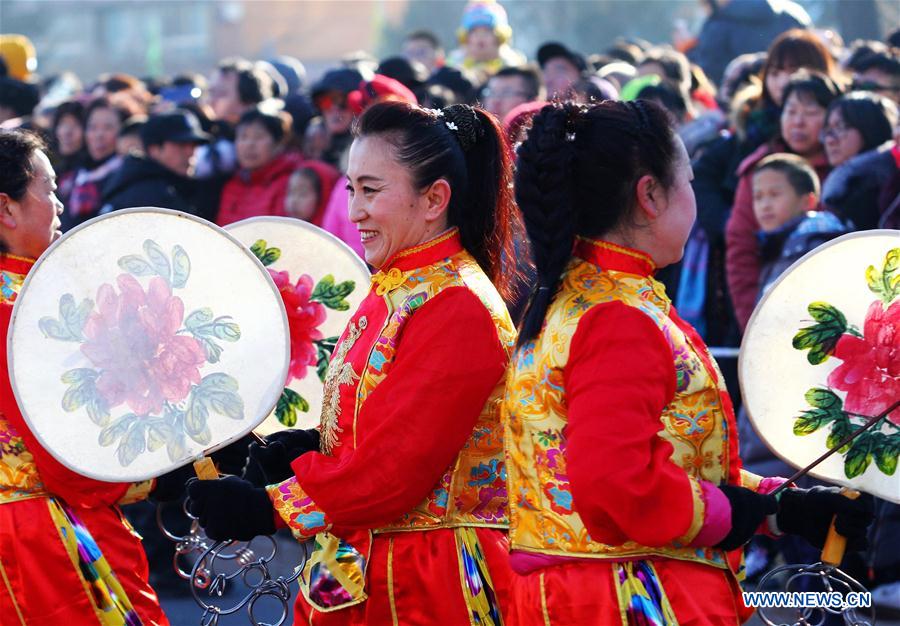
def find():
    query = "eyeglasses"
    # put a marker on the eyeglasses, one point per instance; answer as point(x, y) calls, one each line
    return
point(871, 86)
point(834, 132)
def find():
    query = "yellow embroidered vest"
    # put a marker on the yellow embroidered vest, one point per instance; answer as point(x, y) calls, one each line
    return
point(472, 492)
point(542, 519)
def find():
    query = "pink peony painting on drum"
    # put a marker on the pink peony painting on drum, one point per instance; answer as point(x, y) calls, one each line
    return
point(820, 363)
point(306, 303)
point(321, 282)
point(866, 383)
point(147, 386)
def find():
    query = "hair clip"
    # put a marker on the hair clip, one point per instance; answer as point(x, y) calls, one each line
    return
point(452, 126)
point(436, 112)
point(570, 136)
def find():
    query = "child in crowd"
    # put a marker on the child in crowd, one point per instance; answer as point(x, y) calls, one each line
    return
point(785, 200)
point(785, 197)
point(308, 191)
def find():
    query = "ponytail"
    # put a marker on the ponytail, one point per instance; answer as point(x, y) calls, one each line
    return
point(466, 147)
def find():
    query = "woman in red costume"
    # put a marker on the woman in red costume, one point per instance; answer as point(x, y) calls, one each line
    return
point(52, 571)
point(404, 497)
point(630, 504)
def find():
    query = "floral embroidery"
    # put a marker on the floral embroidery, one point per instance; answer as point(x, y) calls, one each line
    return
point(18, 474)
point(473, 490)
point(298, 510)
point(10, 285)
point(695, 422)
point(339, 373)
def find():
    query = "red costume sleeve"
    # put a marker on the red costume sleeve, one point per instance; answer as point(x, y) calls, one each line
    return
point(75, 489)
point(619, 377)
point(742, 262)
point(411, 427)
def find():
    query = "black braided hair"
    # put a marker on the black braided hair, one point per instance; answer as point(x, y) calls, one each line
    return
point(544, 195)
point(472, 157)
point(577, 173)
point(466, 127)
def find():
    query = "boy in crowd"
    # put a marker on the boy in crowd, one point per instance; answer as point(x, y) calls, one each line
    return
point(785, 197)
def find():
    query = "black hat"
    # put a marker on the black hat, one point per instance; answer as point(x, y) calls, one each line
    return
point(411, 73)
point(554, 49)
point(343, 80)
point(178, 126)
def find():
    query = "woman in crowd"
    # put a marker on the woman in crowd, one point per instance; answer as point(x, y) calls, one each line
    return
point(855, 126)
point(67, 556)
point(755, 115)
point(103, 121)
point(806, 98)
point(630, 503)
point(405, 496)
point(68, 134)
point(260, 184)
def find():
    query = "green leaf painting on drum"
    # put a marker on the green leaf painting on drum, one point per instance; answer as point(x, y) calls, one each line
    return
point(146, 388)
point(266, 255)
point(868, 376)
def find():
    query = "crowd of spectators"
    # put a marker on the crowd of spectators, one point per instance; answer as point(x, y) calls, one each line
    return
point(793, 135)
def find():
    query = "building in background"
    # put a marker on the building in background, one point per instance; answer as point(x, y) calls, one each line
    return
point(165, 37)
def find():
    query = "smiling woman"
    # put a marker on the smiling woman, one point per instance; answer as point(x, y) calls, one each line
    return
point(405, 499)
point(66, 555)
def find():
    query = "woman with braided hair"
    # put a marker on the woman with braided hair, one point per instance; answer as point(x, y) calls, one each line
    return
point(630, 503)
point(404, 495)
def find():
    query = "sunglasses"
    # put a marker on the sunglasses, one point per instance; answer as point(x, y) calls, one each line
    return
point(329, 101)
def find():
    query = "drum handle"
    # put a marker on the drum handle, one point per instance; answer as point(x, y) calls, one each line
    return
point(836, 543)
point(205, 469)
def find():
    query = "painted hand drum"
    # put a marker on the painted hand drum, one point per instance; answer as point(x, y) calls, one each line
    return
point(821, 355)
point(322, 282)
point(142, 340)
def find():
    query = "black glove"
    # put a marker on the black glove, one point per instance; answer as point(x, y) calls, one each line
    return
point(232, 458)
point(271, 463)
point(808, 513)
point(170, 487)
point(231, 508)
point(748, 510)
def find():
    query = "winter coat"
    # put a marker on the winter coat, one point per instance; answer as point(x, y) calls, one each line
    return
point(87, 190)
point(853, 187)
point(141, 181)
point(257, 192)
point(743, 26)
point(781, 247)
point(742, 262)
